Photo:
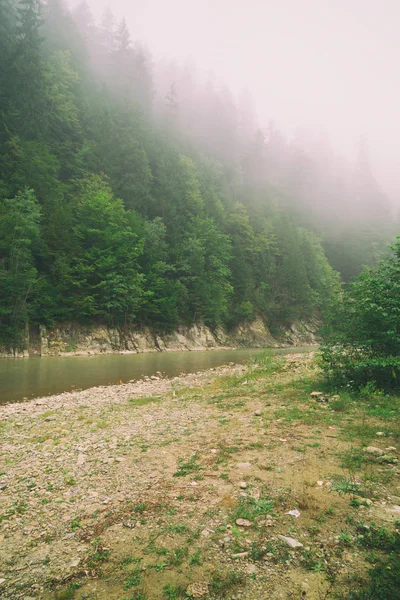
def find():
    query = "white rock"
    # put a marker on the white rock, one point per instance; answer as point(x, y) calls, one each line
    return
point(374, 450)
point(291, 542)
point(243, 485)
point(244, 465)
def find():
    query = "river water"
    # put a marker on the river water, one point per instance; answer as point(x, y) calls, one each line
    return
point(26, 378)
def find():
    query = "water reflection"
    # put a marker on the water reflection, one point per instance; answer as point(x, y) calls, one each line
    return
point(32, 377)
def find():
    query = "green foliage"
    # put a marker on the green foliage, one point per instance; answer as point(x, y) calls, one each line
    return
point(150, 215)
point(363, 339)
point(19, 231)
point(384, 578)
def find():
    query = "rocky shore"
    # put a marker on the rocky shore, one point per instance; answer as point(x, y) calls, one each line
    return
point(230, 483)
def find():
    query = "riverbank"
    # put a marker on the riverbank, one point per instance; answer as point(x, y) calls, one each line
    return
point(181, 488)
point(73, 339)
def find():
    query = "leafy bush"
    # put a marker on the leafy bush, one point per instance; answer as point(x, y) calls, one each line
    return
point(363, 335)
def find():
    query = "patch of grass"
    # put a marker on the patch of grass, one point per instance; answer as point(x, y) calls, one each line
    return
point(173, 592)
point(353, 460)
point(143, 401)
point(257, 551)
point(98, 555)
point(344, 485)
point(383, 581)
point(222, 583)
point(69, 592)
point(190, 465)
point(75, 524)
point(251, 508)
point(133, 578)
point(180, 529)
point(341, 404)
point(195, 559)
point(177, 556)
point(377, 538)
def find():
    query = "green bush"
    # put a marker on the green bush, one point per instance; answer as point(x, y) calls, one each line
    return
point(362, 339)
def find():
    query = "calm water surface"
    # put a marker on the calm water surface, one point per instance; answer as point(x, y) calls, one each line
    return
point(25, 378)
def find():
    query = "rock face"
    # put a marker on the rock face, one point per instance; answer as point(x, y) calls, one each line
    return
point(75, 339)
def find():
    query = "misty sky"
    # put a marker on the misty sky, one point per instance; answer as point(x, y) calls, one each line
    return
point(328, 65)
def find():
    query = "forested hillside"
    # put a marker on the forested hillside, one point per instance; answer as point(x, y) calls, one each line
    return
point(135, 193)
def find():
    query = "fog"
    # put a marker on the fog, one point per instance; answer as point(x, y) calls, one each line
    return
point(326, 67)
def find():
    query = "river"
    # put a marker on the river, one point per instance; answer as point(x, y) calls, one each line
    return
point(23, 379)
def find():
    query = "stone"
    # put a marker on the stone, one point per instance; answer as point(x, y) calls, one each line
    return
point(374, 450)
point(291, 542)
point(380, 433)
point(198, 589)
point(316, 394)
point(2, 580)
point(395, 509)
point(243, 485)
point(240, 555)
point(244, 465)
point(258, 413)
point(243, 523)
point(251, 570)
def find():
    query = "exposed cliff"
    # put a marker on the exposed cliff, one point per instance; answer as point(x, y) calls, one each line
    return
point(75, 339)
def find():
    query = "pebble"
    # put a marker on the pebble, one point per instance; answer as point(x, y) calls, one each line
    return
point(243, 485)
point(244, 465)
point(258, 413)
point(243, 523)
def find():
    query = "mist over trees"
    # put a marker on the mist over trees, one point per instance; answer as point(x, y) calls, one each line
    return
point(135, 192)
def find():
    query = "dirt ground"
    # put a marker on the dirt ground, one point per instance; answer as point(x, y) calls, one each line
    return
point(181, 488)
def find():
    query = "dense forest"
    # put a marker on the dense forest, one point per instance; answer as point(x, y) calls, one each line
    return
point(141, 193)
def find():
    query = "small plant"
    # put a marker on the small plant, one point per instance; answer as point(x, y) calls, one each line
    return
point(185, 467)
point(68, 593)
point(75, 524)
point(257, 552)
point(173, 592)
point(195, 559)
point(346, 486)
point(133, 578)
point(98, 555)
point(223, 583)
point(345, 538)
